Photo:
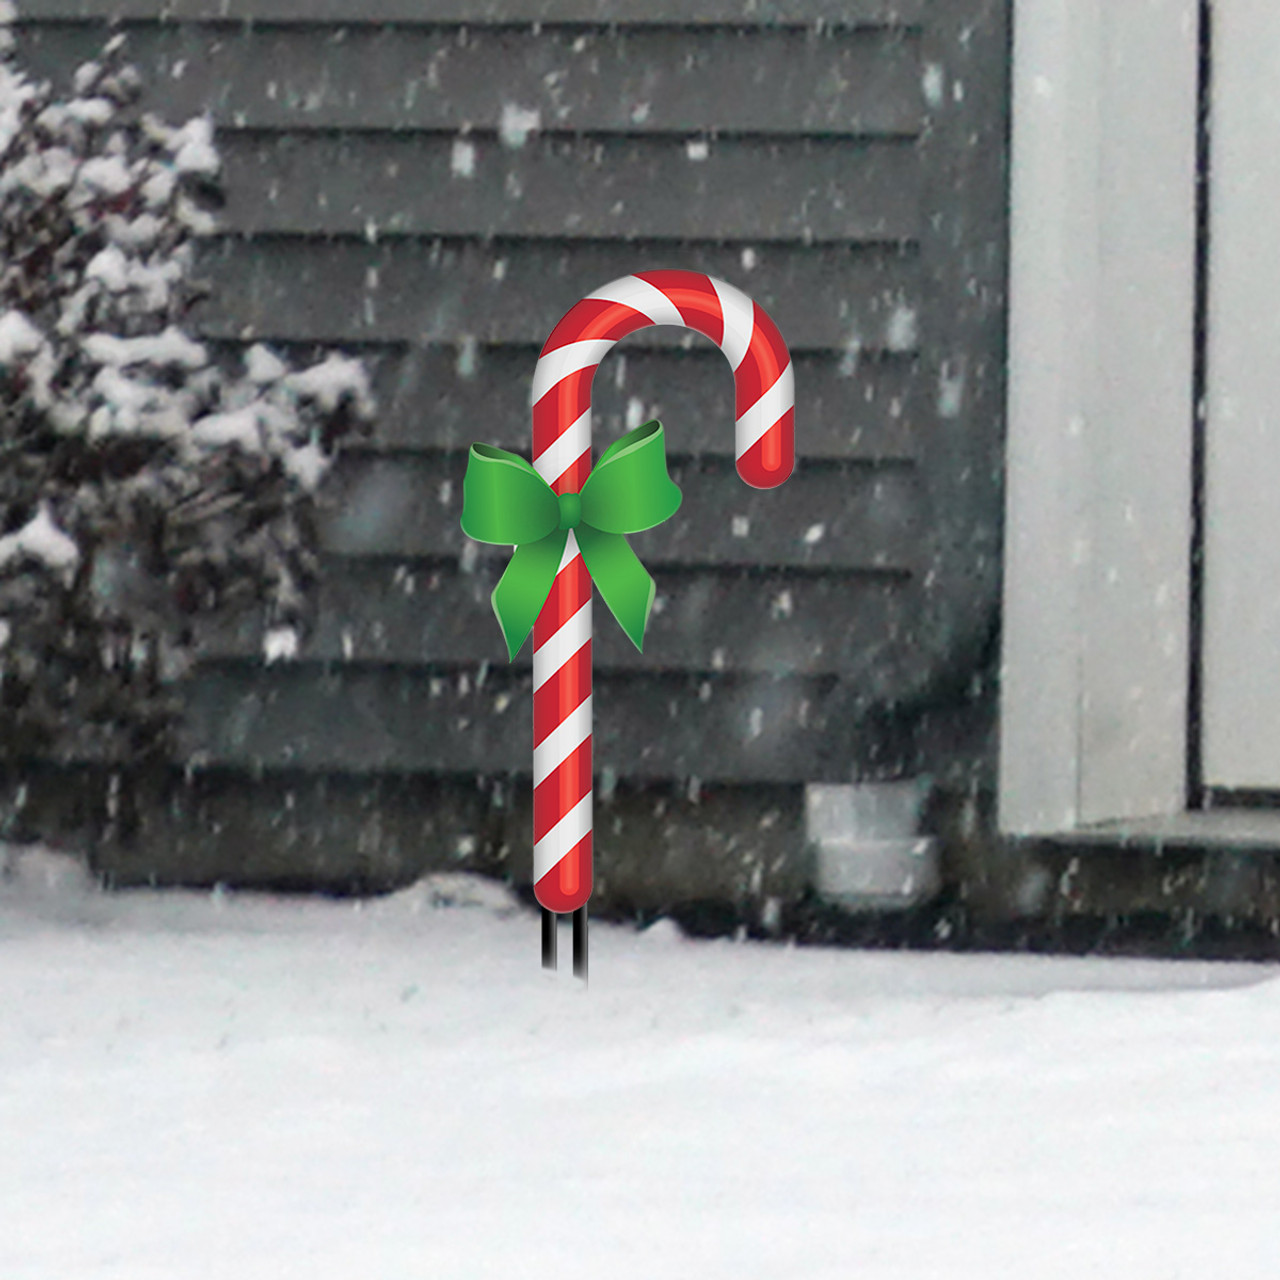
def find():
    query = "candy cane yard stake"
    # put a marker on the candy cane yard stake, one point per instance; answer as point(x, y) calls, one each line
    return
point(568, 524)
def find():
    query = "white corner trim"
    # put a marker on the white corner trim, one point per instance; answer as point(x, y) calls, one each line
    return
point(1101, 323)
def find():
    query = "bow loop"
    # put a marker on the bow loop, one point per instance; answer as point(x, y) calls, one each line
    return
point(629, 490)
point(504, 500)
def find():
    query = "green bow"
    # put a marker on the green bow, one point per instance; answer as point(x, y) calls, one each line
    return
point(504, 500)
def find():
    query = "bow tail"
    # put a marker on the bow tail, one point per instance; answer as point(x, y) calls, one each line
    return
point(623, 582)
point(524, 586)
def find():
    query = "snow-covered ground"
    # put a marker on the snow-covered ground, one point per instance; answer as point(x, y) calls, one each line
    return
point(205, 1085)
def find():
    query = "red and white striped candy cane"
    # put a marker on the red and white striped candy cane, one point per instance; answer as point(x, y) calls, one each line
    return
point(764, 449)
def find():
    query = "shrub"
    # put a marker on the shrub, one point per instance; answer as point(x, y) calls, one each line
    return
point(145, 481)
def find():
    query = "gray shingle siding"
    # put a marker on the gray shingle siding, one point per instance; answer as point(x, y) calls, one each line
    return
point(841, 162)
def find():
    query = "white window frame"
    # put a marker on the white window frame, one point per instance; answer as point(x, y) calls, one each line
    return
point(1098, 527)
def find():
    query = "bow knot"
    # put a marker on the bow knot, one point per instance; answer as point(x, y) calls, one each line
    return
point(505, 501)
point(570, 510)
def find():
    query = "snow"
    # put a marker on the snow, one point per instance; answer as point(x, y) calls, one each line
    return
point(516, 124)
point(950, 390)
point(105, 175)
point(19, 338)
point(40, 539)
point(280, 644)
point(932, 83)
point(262, 365)
point(191, 145)
point(308, 464)
point(86, 77)
point(195, 152)
point(133, 404)
point(172, 347)
point(157, 190)
point(91, 111)
point(215, 1085)
point(134, 233)
point(462, 158)
point(200, 222)
point(901, 331)
point(152, 279)
point(96, 112)
point(467, 363)
point(44, 173)
point(15, 92)
point(332, 379)
point(240, 427)
point(111, 267)
point(126, 397)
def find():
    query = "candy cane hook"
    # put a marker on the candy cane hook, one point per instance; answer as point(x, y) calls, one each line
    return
point(764, 450)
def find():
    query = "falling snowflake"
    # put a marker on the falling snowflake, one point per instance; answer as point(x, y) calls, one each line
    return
point(901, 332)
point(517, 123)
point(462, 159)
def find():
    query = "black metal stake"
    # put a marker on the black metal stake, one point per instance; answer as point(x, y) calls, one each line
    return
point(548, 939)
point(580, 942)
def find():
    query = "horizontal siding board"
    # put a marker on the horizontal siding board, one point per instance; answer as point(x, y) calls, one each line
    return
point(737, 13)
point(583, 188)
point(372, 612)
point(446, 397)
point(825, 297)
point(863, 82)
point(834, 516)
point(383, 719)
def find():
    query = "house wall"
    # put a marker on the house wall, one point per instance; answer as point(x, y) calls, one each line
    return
point(844, 164)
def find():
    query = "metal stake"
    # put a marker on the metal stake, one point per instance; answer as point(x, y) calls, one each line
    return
point(580, 942)
point(548, 939)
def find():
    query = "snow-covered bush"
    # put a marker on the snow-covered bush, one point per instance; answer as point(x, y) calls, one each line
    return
point(142, 482)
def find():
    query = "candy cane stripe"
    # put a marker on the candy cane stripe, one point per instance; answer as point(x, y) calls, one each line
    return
point(567, 833)
point(769, 461)
point(694, 297)
point(563, 361)
point(558, 693)
point(641, 296)
point(764, 395)
point(766, 357)
point(565, 738)
point(595, 318)
point(570, 593)
point(569, 638)
point(739, 322)
point(766, 412)
point(556, 794)
point(565, 450)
